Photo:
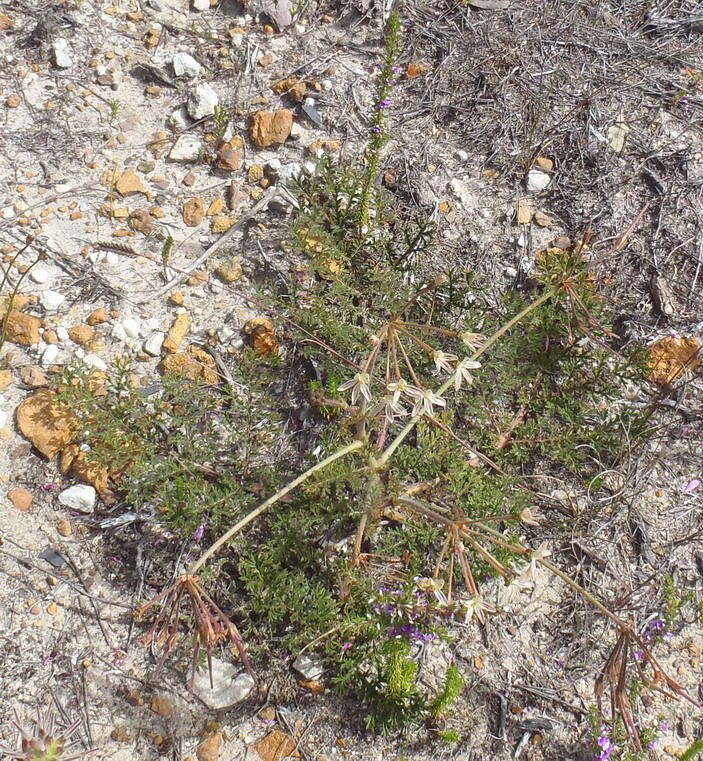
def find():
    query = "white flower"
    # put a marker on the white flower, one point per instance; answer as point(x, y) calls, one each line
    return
point(530, 571)
point(443, 361)
point(426, 399)
point(472, 340)
point(476, 607)
point(463, 372)
point(530, 517)
point(359, 385)
point(390, 408)
point(399, 387)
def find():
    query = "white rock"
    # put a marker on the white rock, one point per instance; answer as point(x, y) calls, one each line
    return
point(463, 192)
point(153, 344)
point(297, 132)
point(62, 333)
point(185, 65)
point(4, 418)
point(510, 271)
point(40, 274)
point(537, 180)
point(119, 332)
point(62, 53)
point(462, 156)
point(186, 148)
point(112, 259)
point(274, 165)
point(228, 134)
point(179, 119)
point(50, 355)
point(51, 300)
point(201, 5)
point(80, 497)
point(229, 685)
point(310, 167)
point(236, 40)
point(202, 101)
point(309, 666)
point(289, 171)
point(93, 360)
point(7, 212)
point(327, 84)
point(131, 327)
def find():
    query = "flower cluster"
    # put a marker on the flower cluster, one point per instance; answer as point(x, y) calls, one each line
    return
point(420, 609)
point(404, 393)
point(654, 630)
point(606, 745)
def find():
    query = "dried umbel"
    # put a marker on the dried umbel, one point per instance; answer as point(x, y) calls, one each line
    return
point(613, 679)
point(210, 624)
point(47, 740)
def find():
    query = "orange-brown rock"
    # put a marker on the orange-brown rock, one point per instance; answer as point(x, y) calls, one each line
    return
point(193, 211)
point(192, 364)
point(270, 128)
point(141, 221)
point(179, 329)
point(262, 336)
point(21, 498)
point(671, 357)
point(129, 184)
point(229, 155)
point(276, 746)
point(97, 317)
point(21, 328)
point(81, 334)
point(46, 422)
point(292, 87)
point(80, 465)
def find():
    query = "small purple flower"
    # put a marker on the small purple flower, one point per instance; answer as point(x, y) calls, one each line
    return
point(397, 69)
point(692, 485)
point(657, 625)
point(385, 103)
point(346, 646)
point(199, 533)
point(376, 130)
point(607, 746)
point(639, 655)
point(653, 744)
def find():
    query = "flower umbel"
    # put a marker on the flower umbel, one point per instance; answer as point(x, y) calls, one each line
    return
point(463, 373)
point(400, 386)
point(444, 362)
point(360, 385)
point(471, 340)
point(426, 400)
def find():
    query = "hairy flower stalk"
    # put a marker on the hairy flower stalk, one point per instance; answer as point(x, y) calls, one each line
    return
point(379, 121)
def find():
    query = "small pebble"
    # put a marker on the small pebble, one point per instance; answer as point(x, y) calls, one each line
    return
point(80, 497)
point(51, 300)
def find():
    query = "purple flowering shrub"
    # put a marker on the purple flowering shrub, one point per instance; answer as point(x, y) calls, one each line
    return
point(380, 656)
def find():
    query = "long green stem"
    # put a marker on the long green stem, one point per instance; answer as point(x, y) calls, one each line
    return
point(200, 562)
point(491, 533)
point(398, 440)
